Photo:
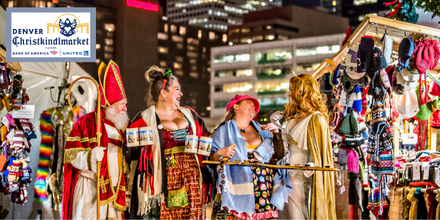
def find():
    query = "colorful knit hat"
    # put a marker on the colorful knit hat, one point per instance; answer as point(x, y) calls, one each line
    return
point(406, 49)
point(352, 162)
point(426, 55)
point(387, 47)
point(357, 102)
point(385, 165)
point(365, 47)
point(352, 64)
point(425, 110)
point(407, 104)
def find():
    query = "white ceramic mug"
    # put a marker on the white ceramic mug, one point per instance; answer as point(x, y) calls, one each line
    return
point(205, 146)
point(132, 135)
point(191, 144)
point(145, 136)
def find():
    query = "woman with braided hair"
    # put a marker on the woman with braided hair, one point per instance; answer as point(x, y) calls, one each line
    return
point(163, 169)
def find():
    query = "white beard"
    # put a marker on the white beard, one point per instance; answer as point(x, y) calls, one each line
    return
point(119, 120)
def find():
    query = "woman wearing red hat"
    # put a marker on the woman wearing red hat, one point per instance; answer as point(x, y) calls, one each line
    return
point(244, 192)
point(164, 170)
point(308, 136)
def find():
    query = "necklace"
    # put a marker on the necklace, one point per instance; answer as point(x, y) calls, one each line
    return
point(243, 130)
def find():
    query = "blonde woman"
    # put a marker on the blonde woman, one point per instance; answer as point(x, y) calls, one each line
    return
point(307, 134)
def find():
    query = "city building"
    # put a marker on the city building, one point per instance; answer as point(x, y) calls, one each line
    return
point(263, 70)
point(187, 51)
point(284, 23)
point(330, 6)
point(356, 10)
point(122, 35)
point(214, 14)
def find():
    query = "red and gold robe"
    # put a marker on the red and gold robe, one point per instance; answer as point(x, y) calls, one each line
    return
point(80, 172)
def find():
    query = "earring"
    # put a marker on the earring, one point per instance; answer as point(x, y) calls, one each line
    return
point(164, 100)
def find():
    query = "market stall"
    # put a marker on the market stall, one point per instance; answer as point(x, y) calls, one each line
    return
point(382, 95)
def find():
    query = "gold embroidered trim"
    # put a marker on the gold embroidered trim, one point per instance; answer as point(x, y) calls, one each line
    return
point(89, 160)
point(71, 154)
point(82, 140)
point(119, 207)
point(123, 188)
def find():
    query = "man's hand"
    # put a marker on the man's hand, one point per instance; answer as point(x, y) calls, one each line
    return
point(98, 152)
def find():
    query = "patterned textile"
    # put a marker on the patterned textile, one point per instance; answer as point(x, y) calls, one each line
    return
point(263, 186)
point(183, 171)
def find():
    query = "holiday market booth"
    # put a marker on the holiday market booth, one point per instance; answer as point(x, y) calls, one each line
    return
point(35, 119)
point(383, 90)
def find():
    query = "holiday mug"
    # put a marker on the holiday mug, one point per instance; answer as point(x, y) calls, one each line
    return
point(205, 146)
point(191, 142)
point(132, 135)
point(145, 136)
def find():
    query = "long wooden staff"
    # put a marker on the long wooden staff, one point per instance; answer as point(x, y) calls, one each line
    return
point(98, 135)
point(296, 167)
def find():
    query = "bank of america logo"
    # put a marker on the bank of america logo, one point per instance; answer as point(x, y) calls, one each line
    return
point(53, 52)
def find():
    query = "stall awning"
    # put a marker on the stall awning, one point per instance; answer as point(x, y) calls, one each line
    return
point(376, 26)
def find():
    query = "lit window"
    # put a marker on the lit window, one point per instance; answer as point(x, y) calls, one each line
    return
point(192, 54)
point(179, 46)
point(109, 41)
point(176, 38)
point(98, 46)
point(249, 41)
point(163, 63)
point(318, 50)
point(199, 34)
point(245, 30)
point(282, 37)
point(363, 2)
point(177, 65)
point(194, 75)
point(192, 41)
point(232, 58)
point(179, 59)
point(108, 49)
point(193, 68)
point(268, 27)
point(225, 38)
point(243, 40)
point(233, 73)
point(165, 28)
point(307, 66)
point(193, 61)
point(272, 87)
point(237, 87)
point(211, 35)
point(204, 50)
point(163, 50)
point(173, 28)
point(108, 56)
point(232, 31)
point(162, 36)
point(257, 38)
point(11, 4)
point(178, 72)
point(98, 60)
point(270, 37)
point(109, 27)
point(272, 56)
point(182, 30)
point(191, 47)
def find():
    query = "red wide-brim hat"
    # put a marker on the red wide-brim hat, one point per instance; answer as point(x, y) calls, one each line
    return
point(239, 98)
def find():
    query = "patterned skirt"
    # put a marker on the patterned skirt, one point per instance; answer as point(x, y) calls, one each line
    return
point(183, 172)
point(263, 185)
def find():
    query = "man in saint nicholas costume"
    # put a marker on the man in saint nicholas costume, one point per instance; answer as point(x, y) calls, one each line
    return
point(82, 154)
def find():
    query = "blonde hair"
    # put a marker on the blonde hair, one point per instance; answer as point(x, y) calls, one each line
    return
point(229, 116)
point(304, 90)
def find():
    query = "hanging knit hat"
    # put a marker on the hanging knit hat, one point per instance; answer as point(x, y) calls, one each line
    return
point(385, 165)
point(349, 125)
point(435, 90)
point(407, 104)
point(385, 79)
point(406, 49)
point(357, 102)
point(425, 110)
point(327, 87)
point(364, 101)
point(387, 47)
point(342, 158)
point(334, 78)
point(352, 161)
point(351, 63)
point(435, 119)
point(397, 87)
point(426, 55)
point(408, 78)
point(365, 47)
point(375, 62)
